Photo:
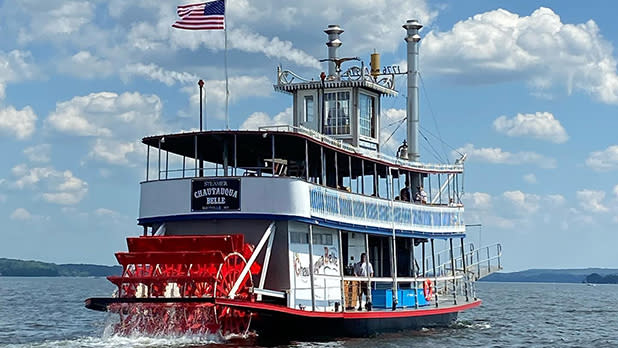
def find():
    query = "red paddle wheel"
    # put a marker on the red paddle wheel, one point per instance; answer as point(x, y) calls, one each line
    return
point(231, 320)
point(183, 268)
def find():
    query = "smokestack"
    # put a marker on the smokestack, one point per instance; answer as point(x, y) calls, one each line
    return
point(333, 43)
point(412, 27)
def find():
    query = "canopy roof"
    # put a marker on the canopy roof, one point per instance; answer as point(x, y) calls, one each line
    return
point(253, 147)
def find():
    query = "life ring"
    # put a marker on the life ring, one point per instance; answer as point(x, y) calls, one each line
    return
point(427, 290)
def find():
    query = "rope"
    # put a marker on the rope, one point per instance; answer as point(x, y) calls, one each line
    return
point(431, 111)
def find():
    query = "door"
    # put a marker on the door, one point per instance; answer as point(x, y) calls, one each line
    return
point(308, 109)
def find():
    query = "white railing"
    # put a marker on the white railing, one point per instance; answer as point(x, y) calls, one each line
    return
point(431, 167)
point(357, 209)
point(480, 262)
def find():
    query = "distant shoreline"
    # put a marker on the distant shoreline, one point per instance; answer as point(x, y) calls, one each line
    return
point(582, 275)
point(28, 268)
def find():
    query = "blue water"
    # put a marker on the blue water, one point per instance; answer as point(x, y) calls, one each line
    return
point(49, 312)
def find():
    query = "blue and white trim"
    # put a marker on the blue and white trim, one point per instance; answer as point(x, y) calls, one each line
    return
point(293, 199)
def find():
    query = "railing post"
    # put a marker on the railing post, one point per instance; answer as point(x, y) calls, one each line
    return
point(167, 159)
point(367, 261)
point(272, 145)
point(311, 280)
point(307, 160)
point(341, 273)
point(195, 145)
point(488, 262)
point(414, 271)
point(453, 271)
point(423, 255)
point(478, 263)
point(463, 262)
point(499, 251)
point(159, 164)
point(235, 155)
point(147, 161)
point(433, 261)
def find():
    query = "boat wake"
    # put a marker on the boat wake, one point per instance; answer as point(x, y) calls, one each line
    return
point(472, 324)
point(124, 341)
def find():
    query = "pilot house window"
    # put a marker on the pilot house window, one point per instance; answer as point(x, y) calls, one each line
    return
point(338, 119)
point(308, 109)
point(366, 116)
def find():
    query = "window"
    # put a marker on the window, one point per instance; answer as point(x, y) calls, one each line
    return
point(322, 239)
point(309, 115)
point(366, 117)
point(338, 106)
point(299, 238)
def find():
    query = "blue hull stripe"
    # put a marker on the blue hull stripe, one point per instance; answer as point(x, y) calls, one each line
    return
point(314, 221)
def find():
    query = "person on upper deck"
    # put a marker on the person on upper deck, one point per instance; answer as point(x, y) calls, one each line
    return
point(404, 194)
point(421, 195)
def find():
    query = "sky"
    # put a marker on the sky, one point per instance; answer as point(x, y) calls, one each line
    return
point(528, 89)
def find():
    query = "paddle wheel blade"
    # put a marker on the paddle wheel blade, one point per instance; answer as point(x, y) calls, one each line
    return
point(169, 284)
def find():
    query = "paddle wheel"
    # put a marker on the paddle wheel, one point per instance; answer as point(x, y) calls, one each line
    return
point(168, 281)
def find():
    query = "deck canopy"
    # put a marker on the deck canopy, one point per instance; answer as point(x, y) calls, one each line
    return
point(253, 150)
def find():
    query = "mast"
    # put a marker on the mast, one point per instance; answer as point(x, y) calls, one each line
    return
point(412, 26)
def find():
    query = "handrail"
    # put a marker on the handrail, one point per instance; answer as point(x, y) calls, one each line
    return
point(433, 167)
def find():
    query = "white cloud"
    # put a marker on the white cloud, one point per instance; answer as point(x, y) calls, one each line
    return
point(274, 26)
point(604, 160)
point(14, 66)
point(21, 214)
point(20, 123)
point(540, 125)
point(116, 121)
point(616, 191)
point(555, 199)
point(592, 201)
point(38, 153)
point(539, 49)
point(498, 156)
point(530, 178)
point(157, 73)
point(241, 87)
point(260, 119)
point(479, 200)
point(525, 202)
point(54, 19)
point(58, 187)
point(84, 64)
point(113, 152)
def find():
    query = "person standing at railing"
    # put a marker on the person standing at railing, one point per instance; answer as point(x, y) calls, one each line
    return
point(363, 269)
point(421, 195)
point(404, 194)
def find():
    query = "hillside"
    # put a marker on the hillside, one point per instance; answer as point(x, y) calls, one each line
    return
point(550, 275)
point(22, 268)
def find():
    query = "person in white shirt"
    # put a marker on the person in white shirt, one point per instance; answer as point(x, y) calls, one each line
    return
point(421, 195)
point(363, 269)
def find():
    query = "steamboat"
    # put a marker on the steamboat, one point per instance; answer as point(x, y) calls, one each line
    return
point(305, 230)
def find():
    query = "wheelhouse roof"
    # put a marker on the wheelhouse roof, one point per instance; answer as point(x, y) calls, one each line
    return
point(253, 146)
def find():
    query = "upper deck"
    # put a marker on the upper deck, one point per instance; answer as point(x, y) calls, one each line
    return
point(293, 173)
point(287, 140)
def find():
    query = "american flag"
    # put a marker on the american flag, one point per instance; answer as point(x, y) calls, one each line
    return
point(203, 16)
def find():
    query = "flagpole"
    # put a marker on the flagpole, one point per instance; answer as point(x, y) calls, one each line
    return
point(227, 90)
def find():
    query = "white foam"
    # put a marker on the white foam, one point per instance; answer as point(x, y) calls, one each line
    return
point(123, 341)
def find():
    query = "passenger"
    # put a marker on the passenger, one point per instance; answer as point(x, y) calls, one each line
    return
point(405, 192)
point(363, 269)
point(421, 195)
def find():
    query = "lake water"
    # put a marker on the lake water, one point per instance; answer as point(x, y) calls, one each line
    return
point(49, 312)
